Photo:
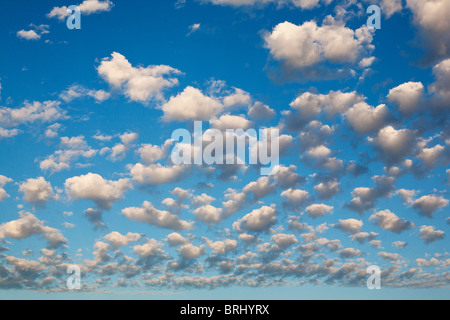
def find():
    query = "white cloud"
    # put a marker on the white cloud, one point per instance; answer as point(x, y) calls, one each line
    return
point(366, 119)
point(429, 234)
point(318, 210)
point(93, 187)
point(208, 214)
point(189, 251)
point(28, 225)
point(394, 144)
point(175, 239)
point(28, 35)
point(407, 96)
point(48, 111)
point(118, 240)
point(442, 84)
point(428, 205)
point(156, 174)
point(151, 248)
point(36, 191)
point(387, 220)
point(310, 47)
point(257, 220)
point(149, 214)
point(431, 17)
point(231, 122)
point(3, 194)
point(350, 225)
point(191, 104)
point(87, 7)
point(77, 92)
point(138, 83)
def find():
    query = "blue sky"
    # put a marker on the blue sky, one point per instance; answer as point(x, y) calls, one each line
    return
point(86, 178)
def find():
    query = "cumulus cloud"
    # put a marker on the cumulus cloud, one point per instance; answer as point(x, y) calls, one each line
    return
point(431, 18)
point(94, 187)
point(208, 214)
point(387, 220)
point(394, 145)
point(118, 240)
point(365, 198)
point(428, 205)
point(440, 88)
point(191, 104)
point(71, 149)
point(318, 210)
point(34, 33)
point(137, 83)
point(3, 194)
point(428, 234)
point(256, 221)
point(44, 112)
point(78, 92)
point(36, 191)
point(87, 7)
point(314, 51)
point(407, 97)
point(175, 239)
point(28, 225)
point(349, 225)
point(156, 174)
point(190, 252)
point(163, 219)
point(365, 119)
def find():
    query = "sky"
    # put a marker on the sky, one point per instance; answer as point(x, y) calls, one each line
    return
point(87, 178)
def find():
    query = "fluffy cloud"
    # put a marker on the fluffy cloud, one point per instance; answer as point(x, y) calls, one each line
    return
point(440, 88)
point(138, 83)
point(77, 92)
point(318, 210)
point(308, 48)
point(328, 189)
point(407, 96)
point(87, 7)
point(34, 33)
point(365, 119)
point(431, 17)
point(394, 144)
point(163, 219)
point(150, 249)
point(48, 111)
point(428, 205)
point(222, 247)
point(28, 225)
point(208, 214)
point(36, 191)
point(429, 234)
point(93, 187)
point(191, 104)
point(71, 149)
point(189, 251)
point(349, 225)
point(156, 174)
point(365, 198)
point(118, 240)
point(387, 220)
point(175, 239)
point(258, 220)
point(3, 180)
point(231, 122)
